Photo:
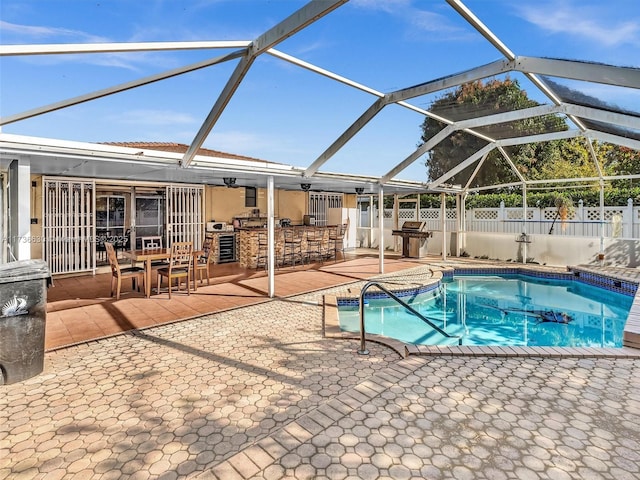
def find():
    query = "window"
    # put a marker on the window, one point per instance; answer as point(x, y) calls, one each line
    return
point(149, 216)
point(110, 213)
point(250, 199)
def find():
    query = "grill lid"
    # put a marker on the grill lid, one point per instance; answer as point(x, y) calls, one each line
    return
point(410, 226)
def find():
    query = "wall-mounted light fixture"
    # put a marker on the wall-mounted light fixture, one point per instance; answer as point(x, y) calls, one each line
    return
point(359, 190)
point(305, 187)
point(229, 181)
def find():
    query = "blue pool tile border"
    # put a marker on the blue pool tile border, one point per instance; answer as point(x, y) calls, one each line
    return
point(575, 274)
point(613, 284)
point(373, 295)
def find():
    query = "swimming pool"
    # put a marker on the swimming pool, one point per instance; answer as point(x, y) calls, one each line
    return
point(501, 310)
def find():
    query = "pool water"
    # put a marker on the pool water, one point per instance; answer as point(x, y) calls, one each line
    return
point(501, 310)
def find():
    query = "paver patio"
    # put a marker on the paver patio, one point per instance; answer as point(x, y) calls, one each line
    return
point(259, 392)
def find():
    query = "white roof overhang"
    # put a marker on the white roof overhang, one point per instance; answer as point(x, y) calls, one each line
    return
point(78, 159)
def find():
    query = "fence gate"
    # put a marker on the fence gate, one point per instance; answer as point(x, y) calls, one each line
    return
point(68, 224)
point(185, 214)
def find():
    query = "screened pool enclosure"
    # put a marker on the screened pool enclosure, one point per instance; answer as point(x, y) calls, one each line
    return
point(317, 107)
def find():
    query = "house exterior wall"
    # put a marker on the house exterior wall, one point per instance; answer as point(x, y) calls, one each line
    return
point(291, 204)
point(222, 204)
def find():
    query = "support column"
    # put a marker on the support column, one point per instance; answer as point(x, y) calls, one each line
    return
point(19, 210)
point(456, 252)
point(525, 245)
point(370, 215)
point(443, 220)
point(133, 235)
point(271, 237)
point(380, 230)
point(463, 221)
point(396, 220)
point(4, 246)
point(602, 219)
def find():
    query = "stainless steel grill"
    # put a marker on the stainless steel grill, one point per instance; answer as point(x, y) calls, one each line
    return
point(414, 239)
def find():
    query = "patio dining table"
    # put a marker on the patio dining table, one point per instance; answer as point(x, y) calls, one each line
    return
point(148, 256)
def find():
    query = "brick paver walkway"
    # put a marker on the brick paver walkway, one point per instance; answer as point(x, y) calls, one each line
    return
point(258, 392)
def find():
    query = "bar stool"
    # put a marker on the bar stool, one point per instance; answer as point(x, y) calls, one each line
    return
point(292, 252)
point(313, 249)
point(336, 240)
point(263, 250)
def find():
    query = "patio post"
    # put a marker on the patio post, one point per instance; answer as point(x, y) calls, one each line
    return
point(456, 251)
point(380, 229)
point(19, 210)
point(396, 221)
point(443, 224)
point(601, 217)
point(271, 238)
point(463, 222)
point(524, 223)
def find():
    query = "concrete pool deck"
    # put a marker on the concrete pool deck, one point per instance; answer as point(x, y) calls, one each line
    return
point(259, 392)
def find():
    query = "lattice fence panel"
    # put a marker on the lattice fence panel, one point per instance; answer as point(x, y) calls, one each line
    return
point(485, 214)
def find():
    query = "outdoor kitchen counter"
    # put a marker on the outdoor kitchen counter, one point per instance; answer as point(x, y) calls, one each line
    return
point(249, 242)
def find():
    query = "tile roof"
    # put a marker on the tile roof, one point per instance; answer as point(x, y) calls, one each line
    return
point(181, 148)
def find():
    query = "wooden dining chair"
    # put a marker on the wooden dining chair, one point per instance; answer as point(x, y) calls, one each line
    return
point(117, 273)
point(202, 263)
point(180, 266)
point(152, 243)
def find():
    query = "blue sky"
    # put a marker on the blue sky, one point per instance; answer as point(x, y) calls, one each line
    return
point(281, 112)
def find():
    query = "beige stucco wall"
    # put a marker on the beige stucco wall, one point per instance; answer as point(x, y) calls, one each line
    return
point(350, 200)
point(223, 203)
point(291, 204)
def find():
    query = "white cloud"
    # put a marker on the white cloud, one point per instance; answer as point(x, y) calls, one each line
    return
point(435, 23)
point(28, 34)
point(145, 117)
point(389, 6)
point(419, 20)
point(45, 32)
point(583, 22)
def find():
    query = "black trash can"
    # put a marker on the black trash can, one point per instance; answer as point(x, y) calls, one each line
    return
point(23, 312)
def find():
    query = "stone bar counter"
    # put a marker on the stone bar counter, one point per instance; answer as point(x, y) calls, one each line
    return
point(251, 254)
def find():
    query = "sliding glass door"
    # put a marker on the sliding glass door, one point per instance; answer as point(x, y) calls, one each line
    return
point(149, 216)
point(110, 215)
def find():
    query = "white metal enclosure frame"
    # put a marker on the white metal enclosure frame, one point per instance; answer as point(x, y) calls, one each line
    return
point(592, 122)
point(248, 51)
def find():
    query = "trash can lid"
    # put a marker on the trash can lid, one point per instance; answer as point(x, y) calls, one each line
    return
point(22, 270)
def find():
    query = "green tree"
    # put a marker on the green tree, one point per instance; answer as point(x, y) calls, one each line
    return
point(477, 99)
point(569, 159)
point(619, 161)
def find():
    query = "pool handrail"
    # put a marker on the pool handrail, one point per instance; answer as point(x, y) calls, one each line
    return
point(363, 350)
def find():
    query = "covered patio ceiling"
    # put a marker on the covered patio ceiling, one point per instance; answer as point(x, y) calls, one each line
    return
point(588, 117)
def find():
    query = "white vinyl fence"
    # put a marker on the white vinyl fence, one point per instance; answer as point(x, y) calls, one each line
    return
point(608, 236)
point(618, 222)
